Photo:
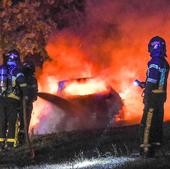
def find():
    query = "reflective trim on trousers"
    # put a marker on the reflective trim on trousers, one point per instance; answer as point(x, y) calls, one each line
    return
point(2, 139)
point(147, 129)
point(11, 140)
point(16, 131)
point(143, 145)
point(15, 139)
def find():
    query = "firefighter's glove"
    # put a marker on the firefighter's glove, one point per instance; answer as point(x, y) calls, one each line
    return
point(139, 83)
point(34, 99)
point(142, 84)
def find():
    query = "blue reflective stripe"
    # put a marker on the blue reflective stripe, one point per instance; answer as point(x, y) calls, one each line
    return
point(151, 80)
point(162, 78)
point(154, 66)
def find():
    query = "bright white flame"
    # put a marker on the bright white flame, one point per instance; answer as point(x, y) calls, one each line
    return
point(132, 100)
point(52, 84)
point(125, 94)
point(89, 87)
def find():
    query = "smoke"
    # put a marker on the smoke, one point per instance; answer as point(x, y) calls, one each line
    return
point(45, 114)
point(110, 42)
point(119, 32)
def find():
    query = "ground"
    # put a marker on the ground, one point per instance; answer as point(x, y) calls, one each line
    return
point(64, 147)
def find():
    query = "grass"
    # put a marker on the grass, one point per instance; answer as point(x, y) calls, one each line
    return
point(68, 146)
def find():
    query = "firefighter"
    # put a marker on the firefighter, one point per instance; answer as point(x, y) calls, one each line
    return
point(154, 98)
point(28, 69)
point(15, 88)
point(3, 113)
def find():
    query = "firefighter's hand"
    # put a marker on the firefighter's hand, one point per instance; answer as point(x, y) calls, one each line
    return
point(142, 84)
point(139, 83)
point(34, 99)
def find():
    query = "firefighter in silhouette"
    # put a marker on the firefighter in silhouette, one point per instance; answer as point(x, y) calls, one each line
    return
point(155, 88)
point(28, 69)
point(13, 88)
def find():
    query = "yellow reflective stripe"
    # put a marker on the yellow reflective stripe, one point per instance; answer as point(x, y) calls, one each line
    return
point(159, 90)
point(15, 139)
point(142, 145)
point(11, 140)
point(13, 81)
point(16, 132)
point(147, 129)
point(12, 95)
point(23, 85)
point(2, 139)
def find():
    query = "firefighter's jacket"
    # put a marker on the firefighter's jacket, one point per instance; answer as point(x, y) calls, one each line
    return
point(157, 75)
point(32, 85)
point(16, 85)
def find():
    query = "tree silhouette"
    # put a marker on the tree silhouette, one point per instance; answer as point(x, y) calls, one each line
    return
point(28, 24)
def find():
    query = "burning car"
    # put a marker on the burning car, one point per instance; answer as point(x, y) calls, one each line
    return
point(95, 104)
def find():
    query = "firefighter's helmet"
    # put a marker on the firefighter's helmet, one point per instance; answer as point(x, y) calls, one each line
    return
point(12, 58)
point(28, 67)
point(157, 46)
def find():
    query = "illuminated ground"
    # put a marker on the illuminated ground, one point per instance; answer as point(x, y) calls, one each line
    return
point(97, 163)
point(95, 149)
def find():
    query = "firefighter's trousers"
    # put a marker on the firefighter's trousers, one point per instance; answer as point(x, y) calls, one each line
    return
point(151, 131)
point(8, 116)
point(28, 115)
point(28, 118)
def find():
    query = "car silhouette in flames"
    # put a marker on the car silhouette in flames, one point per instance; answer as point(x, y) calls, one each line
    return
point(87, 103)
point(95, 104)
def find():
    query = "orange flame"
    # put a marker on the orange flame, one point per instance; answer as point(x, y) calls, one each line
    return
point(113, 49)
point(61, 68)
point(70, 61)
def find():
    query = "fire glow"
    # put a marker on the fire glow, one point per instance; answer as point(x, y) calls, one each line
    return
point(107, 48)
point(89, 87)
